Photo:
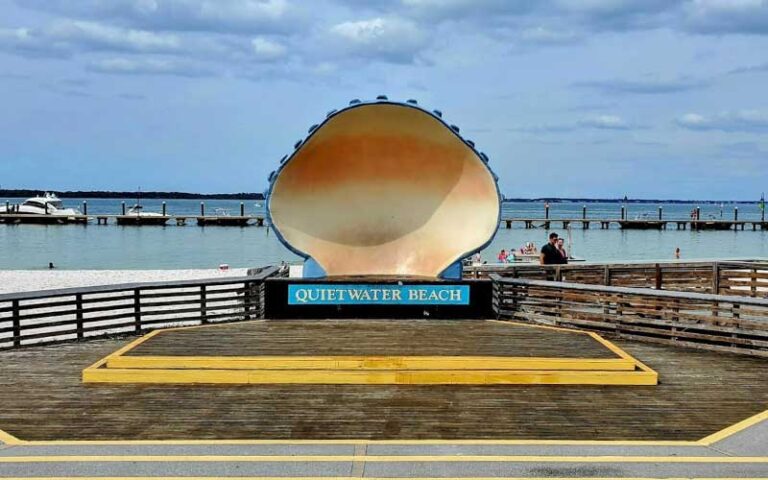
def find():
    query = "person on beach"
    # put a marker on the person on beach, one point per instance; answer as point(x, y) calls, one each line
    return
point(550, 255)
point(561, 248)
point(502, 258)
point(677, 253)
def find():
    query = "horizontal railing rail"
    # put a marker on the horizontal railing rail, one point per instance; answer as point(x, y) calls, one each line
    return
point(728, 323)
point(742, 278)
point(54, 316)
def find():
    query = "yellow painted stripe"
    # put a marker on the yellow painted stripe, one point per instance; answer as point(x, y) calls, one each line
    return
point(371, 377)
point(668, 443)
point(372, 478)
point(376, 458)
point(8, 439)
point(369, 363)
point(727, 432)
point(129, 346)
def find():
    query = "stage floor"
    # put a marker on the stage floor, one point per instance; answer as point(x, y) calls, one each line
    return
point(44, 398)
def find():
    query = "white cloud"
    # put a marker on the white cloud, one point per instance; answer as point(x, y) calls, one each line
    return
point(66, 36)
point(387, 38)
point(547, 36)
point(266, 49)
point(606, 122)
point(231, 16)
point(729, 121)
point(93, 35)
point(727, 16)
point(149, 66)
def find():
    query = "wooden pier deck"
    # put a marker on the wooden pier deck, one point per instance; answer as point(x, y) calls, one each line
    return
point(43, 397)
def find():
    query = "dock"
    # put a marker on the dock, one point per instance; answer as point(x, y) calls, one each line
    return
point(641, 224)
point(133, 220)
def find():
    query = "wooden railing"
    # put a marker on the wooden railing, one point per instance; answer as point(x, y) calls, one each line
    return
point(742, 278)
point(53, 316)
point(714, 322)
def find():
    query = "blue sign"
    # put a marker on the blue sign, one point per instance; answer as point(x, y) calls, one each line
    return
point(348, 294)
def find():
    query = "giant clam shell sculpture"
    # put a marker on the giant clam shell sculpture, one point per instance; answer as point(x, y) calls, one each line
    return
point(384, 188)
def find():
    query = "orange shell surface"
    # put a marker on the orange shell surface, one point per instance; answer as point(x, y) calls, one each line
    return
point(385, 189)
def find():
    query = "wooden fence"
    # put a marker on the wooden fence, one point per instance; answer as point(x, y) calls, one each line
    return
point(714, 322)
point(742, 278)
point(53, 316)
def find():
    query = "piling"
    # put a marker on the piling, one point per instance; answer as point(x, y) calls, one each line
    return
point(202, 209)
point(623, 212)
point(85, 207)
point(164, 208)
point(122, 207)
point(661, 212)
point(242, 209)
point(546, 210)
point(735, 214)
point(584, 212)
point(698, 213)
point(7, 206)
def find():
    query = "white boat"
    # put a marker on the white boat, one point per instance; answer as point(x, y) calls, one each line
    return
point(46, 204)
point(137, 216)
point(46, 208)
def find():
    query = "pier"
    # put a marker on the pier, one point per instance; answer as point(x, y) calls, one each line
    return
point(607, 223)
point(106, 219)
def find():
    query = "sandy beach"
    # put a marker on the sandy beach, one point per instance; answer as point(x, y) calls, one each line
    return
point(26, 280)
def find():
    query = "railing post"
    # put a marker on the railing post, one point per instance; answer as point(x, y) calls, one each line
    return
point(716, 278)
point(203, 305)
point(16, 323)
point(137, 309)
point(79, 315)
point(658, 276)
point(607, 276)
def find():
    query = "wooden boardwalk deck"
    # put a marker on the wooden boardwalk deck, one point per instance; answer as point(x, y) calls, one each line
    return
point(372, 338)
point(43, 398)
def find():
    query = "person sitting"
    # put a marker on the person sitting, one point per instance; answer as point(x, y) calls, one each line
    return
point(502, 258)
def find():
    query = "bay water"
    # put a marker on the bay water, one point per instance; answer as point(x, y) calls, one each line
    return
point(182, 247)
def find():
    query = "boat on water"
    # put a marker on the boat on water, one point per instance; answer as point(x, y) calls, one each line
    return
point(137, 216)
point(46, 208)
point(223, 218)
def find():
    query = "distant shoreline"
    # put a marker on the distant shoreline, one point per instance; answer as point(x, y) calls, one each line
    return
point(25, 193)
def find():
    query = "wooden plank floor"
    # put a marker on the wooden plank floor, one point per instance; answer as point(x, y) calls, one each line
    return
point(42, 398)
point(374, 338)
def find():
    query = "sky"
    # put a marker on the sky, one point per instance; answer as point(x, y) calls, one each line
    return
point(568, 98)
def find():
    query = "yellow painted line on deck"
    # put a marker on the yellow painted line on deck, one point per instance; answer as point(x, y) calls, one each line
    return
point(8, 439)
point(375, 459)
point(660, 443)
point(735, 428)
point(368, 363)
point(374, 478)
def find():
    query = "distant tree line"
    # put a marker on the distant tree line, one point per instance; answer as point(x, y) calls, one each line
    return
point(158, 195)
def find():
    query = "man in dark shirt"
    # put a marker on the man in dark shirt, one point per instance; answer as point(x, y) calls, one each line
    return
point(549, 253)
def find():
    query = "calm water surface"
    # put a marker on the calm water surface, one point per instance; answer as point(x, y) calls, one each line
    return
point(172, 247)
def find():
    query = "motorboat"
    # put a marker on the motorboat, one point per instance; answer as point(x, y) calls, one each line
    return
point(46, 208)
point(46, 204)
point(137, 216)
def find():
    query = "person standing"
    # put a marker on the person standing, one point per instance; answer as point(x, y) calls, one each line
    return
point(549, 252)
point(561, 248)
